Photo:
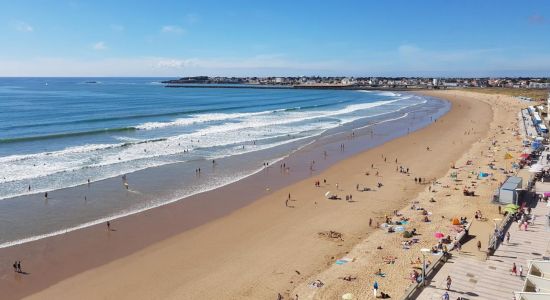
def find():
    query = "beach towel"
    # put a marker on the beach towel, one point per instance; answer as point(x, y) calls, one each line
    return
point(343, 261)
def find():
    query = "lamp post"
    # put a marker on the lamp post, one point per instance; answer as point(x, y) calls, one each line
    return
point(424, 252)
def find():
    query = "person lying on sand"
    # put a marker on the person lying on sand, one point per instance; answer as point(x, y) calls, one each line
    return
point(317, 283)
point(348, 278)
point(417, 261)
point(389, 259)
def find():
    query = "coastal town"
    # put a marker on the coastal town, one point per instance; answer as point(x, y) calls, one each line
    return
point(370, 82)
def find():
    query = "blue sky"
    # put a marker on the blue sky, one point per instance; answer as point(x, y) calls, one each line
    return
point(259, 38)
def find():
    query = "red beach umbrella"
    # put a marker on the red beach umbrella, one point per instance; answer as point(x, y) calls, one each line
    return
point(439, 235)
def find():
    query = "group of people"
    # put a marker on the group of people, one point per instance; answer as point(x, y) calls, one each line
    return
point(419, 180)
point(17, 267)
point(478, 215)
point(517, 271)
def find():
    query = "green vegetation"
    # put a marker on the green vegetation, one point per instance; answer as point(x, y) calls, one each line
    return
point(536, 94)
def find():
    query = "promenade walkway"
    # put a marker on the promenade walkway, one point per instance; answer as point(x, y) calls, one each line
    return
point(492, 279)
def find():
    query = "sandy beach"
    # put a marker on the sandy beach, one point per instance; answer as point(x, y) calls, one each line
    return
point(267, 247)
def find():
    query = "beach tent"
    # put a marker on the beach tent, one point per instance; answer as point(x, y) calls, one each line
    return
point(536, 145)
point(455, 221)
point(509, 191)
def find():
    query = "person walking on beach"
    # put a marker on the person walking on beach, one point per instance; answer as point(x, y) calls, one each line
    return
point(508, 237)
point(514, 269)
point(521, 271)
point(375, 289)
point(15, 266)
point(449, 281)
point(478, 245)
point(19, 267)
point(445, 296)
point(108, 226)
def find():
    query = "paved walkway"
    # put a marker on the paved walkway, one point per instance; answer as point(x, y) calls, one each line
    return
point(491, 279)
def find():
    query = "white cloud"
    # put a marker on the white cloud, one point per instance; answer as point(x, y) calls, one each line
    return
point(172, 29)
point(176, 63)
point(99, 46)
point(23, 27)
point(424, 62)
point(261, 65)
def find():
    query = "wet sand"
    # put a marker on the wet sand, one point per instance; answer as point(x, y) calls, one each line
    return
point(255, 252)
point(56, 258)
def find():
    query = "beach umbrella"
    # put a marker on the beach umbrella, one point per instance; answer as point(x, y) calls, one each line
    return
point(347, 296)
point(455, 221)
point(327, 194)
point(524, 155)
point(511, 205)
point(439, 235)
point(510, 210)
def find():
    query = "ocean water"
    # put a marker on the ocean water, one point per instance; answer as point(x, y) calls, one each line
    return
point(57, 133)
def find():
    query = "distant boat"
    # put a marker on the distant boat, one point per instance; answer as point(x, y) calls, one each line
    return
point(91, 82)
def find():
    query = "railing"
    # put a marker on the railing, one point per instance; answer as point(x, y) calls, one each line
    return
point(416, 288)
point(494, 242)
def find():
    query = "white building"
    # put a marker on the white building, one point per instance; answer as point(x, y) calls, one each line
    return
point(435, 82)
point(539, 85)
point(348, 81)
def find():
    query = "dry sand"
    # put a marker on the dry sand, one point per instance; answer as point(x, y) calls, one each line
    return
point(266, 248)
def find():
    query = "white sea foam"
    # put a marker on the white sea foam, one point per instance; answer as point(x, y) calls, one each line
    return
point(52, 170)
point(220, 139)
point(388, 94)
point(194, 119)
point(125, 213)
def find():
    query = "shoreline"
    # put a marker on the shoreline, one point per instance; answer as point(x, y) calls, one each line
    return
point(154, 178)
point(120, 226)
